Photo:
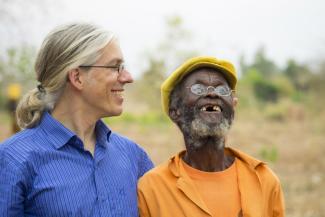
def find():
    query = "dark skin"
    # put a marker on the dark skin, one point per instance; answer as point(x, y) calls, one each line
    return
point(204, 153)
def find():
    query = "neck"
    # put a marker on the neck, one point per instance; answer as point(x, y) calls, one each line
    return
point(207, 154)
point(69, 112)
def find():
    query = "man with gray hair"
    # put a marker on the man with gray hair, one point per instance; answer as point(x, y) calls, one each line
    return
point(66, 161)
point(207, 179)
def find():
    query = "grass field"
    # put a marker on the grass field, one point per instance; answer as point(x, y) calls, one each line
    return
point(293, 147)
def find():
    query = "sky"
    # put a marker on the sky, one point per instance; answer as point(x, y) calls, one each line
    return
point(225, 29)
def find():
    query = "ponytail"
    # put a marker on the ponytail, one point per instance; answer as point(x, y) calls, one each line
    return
point(65, 48)
point(30, 108)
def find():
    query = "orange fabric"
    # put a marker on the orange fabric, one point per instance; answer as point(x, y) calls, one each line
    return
point(167, 190)
point(223, 183)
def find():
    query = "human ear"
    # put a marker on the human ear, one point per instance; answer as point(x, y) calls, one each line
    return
point(174, 114)
point(234, 98)
point(234, 101)
point(75, 78)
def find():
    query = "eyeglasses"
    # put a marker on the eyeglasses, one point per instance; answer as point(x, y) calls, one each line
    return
point(119, 68)
point(200, 89)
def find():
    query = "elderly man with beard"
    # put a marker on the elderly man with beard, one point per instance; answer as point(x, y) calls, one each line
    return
point(208, 178)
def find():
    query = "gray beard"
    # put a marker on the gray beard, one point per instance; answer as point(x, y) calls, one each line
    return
point(199, 130)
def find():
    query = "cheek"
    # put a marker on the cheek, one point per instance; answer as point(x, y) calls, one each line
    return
point(107, 86)
point(190, 99)
point(111, 81)
point(229, 111)
point(187, 114)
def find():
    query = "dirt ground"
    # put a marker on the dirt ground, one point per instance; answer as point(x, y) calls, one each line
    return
point(298, 155)
point(294, 149)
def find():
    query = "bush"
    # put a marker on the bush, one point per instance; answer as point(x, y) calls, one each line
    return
point(266, 91)
point(269, 154)
point(149, 118)
point(276, 112)
point(2, 102)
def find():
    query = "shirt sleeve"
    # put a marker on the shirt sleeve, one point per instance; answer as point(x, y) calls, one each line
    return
point(142, 204)
point(11, 188)
point(279, 208)
point(145, 163)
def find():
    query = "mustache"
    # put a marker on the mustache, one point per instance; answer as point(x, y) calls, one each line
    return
point(193, 124)
point(197, 132)
point(189, 113)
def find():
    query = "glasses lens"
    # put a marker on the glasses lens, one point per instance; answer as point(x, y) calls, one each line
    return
point(222, 91)
point(121, 68)
point(198, 89)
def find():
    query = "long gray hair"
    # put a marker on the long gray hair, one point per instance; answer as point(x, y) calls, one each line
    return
point(64, 48)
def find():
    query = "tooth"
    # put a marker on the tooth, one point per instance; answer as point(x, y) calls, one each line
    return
point(203, 109)
point(119, 93)
point(216, 108)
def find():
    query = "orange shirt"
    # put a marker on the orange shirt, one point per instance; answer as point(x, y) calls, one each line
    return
point(167, 190)
point(223, 184)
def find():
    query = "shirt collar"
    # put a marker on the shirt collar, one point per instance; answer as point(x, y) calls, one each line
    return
point(252, 162)
point(102, 133)
point(56, 133)
point(174, 162)
point(59, 135)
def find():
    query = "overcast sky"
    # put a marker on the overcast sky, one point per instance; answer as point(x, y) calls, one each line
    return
point(226, 29)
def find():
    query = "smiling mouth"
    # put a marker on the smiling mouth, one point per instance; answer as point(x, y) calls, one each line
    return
point(118, 93)
point(211, 108)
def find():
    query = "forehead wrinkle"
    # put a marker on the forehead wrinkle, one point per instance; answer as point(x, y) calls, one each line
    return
point(204, 76)
point(114, 61)
point(214, 78)
point(210, 79)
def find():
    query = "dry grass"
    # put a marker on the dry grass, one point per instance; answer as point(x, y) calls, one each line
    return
point(299, 158)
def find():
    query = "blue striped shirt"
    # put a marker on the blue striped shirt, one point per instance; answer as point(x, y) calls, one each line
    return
point(45, 171)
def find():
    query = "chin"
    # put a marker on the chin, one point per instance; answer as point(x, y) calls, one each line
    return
point(203, 128)
point(116, 113)
point(112, 113)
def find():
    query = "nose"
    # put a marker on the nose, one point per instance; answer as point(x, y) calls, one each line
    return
point(125, 77)
point(211, 92)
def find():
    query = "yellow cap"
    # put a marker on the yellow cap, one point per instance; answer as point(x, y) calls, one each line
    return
point(14, 91)
point(222, 66)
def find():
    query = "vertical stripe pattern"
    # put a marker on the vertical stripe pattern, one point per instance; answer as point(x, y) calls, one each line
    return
point(45, 171)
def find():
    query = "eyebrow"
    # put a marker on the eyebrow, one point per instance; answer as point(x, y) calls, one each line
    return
point(115, 61)
point(199, 80)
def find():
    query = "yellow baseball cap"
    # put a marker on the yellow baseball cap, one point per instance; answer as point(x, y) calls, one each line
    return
point(223, 66)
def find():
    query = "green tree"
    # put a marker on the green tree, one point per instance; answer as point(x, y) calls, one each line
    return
point(149, 85)
point(16, 67)
point(170, 52)
point(16, 56)
point(264, 65)
point(299, 75)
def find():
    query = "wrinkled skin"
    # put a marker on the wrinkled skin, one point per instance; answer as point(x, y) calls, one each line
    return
point(204, 131)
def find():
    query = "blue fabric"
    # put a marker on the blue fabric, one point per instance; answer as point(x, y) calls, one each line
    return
point(45, 171)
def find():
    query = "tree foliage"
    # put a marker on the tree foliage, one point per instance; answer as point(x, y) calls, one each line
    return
point(299, 75)
point(270, 82)
point(171, 51)
point(16, 67)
